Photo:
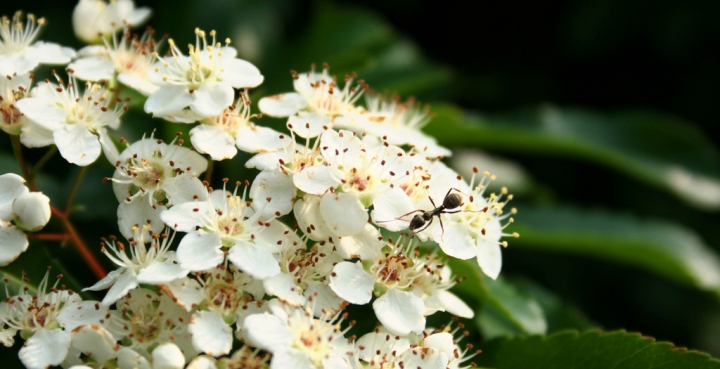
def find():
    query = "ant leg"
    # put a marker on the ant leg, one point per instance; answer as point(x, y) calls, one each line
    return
point(399, 218)
point(433, 202)
point(443, 229)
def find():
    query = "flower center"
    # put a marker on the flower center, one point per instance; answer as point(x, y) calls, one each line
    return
point(10, 118)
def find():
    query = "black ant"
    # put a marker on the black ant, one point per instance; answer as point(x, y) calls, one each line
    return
point(425, 218)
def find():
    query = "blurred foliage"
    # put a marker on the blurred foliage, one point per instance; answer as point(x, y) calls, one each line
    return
point(625, 190)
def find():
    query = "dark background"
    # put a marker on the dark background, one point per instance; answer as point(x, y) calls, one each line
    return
point(608, 55)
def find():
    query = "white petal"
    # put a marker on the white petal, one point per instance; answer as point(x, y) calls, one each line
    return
point(200, 251)
point(309, 124)
point(50, 53)
point(343, 213)
point(139, 212)
point(325, 298)
point(442, 341)
point(93, 68)
point(292, 359)
point(256, 139)
point(13, 242)
point(267, 160)
point(95, 341)
point(210, 333)
point(268, 332)
point(364, 245)
point(161, 272)
point(126, 282)
point(282, 105)
point(307, 214)
point(45, 348)
point(184, 188)
point(382, 341)
point(12, 186)
point(400, 312)
point(352, 283)
point(34, 135)
point(253, 260)
point(31, 211)
point(426, 359)
point(42, 111)
point(315, 180)
point(79, 313)
point(214, 141)
point(455, 241)
point(454, 305)
point(139, 83)
point(77, 145)
point(108, 147)
point(186, 292)
point(138, 16)
point(168, 100)
point(106, 282)
point(239, 73)
point(129, 359)
point(279, 188)
point(389, 206)
point(284, 288)
point(489, 257)
point(211, 101)
point(184, 217)
point(202, 362)
point(168, 356)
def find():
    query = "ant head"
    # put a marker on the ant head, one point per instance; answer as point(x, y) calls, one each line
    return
point(452, 201)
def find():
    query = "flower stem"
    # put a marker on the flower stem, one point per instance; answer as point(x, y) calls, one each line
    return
point(74, 189)
point(36, 168)
point(85, 253)
point(17, 150)
point(60, 237)
point(208, 172)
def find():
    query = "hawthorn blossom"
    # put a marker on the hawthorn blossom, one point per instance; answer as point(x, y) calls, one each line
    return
point(299, 340)
point(218, 299)
point(47, 317)
point(150, 176)
point(220, 136)
point(77, 120)
point(152, 264)
point(360, 173)
point(17, 55)
point(409, 287)
point(226, 222)
point(474, 230)
point(95, 19)
point(201, 84)
point(144, 319)
point(131, 57)
point(317, 93)
point(20, 211)
point(397, 122)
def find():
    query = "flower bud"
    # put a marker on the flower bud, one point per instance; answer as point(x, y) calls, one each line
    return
point(84, 20)
point(31, 211)
point(168, 356)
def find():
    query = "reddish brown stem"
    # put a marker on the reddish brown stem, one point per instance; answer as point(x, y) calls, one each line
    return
point(84, 251)
point(60, 237)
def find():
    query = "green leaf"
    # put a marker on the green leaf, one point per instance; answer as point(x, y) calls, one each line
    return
point(500, 308)
point(590, 350)
point(658, 149)
point(662, 247)
point(559, 314)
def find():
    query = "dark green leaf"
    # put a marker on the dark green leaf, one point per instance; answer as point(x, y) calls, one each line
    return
point(661, 247)
point(559, 315)
point(661, 150)
point(590, 350)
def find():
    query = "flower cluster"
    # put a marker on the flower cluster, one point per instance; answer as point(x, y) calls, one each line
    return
point(353, 205)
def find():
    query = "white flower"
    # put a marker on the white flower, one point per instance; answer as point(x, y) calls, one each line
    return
point(475, 228)
point(143, 320)
point(31, 211)
point(219, 136)
point(13, 241)
point(201, 84)
point(13, 89)
point(397, 122)
point(94, 19)
point(223, 297)
point(151, 175)
point(131, 58)
point(299, 340)
point(365, 173)
point(152, 264)
point(226, 221)
point(17, 55)
point(315, 92)
point(77, 120)
point(48, 317)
